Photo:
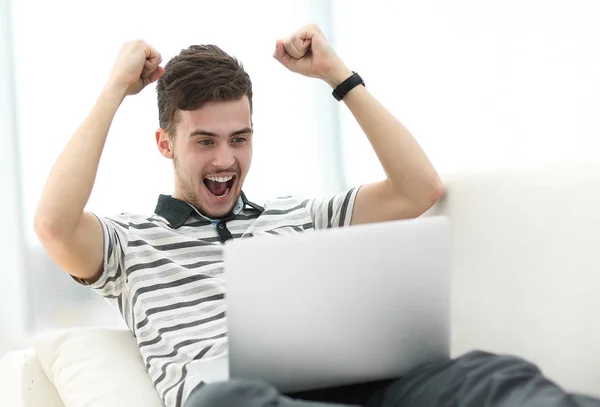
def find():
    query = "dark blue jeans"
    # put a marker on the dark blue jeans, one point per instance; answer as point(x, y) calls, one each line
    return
point(477, 379)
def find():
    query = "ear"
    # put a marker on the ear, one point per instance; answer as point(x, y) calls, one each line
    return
point(165, 144)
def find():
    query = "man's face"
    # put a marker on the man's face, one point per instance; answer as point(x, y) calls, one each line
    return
point(212, 153)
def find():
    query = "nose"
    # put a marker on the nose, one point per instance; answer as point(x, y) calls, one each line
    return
point(223, 156)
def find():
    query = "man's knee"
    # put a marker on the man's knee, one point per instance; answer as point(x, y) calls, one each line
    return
point(486, 363)
point(234, 393)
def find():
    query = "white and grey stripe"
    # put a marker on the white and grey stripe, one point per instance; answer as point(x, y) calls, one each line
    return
point(165, 275)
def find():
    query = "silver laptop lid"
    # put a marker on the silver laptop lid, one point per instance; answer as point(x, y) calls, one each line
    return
point(339, 306)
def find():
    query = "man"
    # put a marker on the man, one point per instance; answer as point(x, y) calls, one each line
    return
point(164, 272)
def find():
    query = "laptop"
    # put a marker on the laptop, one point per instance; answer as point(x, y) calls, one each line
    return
point(339, 306)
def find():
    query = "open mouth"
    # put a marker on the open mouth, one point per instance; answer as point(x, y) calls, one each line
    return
point(219, 187)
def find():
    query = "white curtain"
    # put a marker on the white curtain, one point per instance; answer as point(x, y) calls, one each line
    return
point(12, 290)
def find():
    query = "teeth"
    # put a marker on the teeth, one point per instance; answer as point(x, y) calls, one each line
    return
point(220, 179)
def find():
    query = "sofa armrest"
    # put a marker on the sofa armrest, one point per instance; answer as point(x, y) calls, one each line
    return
point(23, 383)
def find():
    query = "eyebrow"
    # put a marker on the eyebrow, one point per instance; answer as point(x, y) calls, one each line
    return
point(199, 132)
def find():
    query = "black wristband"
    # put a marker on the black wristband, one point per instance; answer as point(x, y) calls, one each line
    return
point(340, 91)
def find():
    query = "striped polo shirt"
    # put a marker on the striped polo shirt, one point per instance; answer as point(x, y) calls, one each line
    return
point(164, 273)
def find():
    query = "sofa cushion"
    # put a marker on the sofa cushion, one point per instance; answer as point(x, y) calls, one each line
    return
point(525, 267)
point(23, 383)
point(96, 367)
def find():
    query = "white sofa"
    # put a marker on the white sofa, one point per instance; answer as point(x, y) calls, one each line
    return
point(526, 281)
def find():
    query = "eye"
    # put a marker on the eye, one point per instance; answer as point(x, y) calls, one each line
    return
point(239, 140)
point(205, 142)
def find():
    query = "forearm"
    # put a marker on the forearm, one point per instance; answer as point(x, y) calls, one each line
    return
point(72, 177)
point(406, 166)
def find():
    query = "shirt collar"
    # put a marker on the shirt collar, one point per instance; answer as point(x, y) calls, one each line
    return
point(236, 210)
point(177, 212)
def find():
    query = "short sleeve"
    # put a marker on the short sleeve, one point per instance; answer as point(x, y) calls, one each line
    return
point(115, 237)
point(332, 212)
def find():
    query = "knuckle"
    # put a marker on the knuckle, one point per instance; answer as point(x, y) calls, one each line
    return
point(313, 27)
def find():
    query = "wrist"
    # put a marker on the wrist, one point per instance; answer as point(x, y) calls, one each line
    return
point(337, 74)
point(115, 89)
point(340, 91)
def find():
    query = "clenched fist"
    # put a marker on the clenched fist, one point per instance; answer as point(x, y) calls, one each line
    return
point(137, 65)
point(308, 52)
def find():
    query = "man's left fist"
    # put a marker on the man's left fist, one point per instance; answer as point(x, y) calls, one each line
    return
point(308, 52)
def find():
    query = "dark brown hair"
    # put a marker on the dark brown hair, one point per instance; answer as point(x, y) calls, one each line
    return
point(198, 75)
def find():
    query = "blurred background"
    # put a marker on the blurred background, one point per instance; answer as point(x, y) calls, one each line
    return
point(480, 85)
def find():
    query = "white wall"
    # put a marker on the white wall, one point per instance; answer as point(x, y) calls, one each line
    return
point(479, 84)
point(12, 294)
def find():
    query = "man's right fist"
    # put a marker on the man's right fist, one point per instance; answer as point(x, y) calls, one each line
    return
point(137, 65)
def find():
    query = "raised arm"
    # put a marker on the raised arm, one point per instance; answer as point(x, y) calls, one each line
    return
point(73, 238)
point(412, 185)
